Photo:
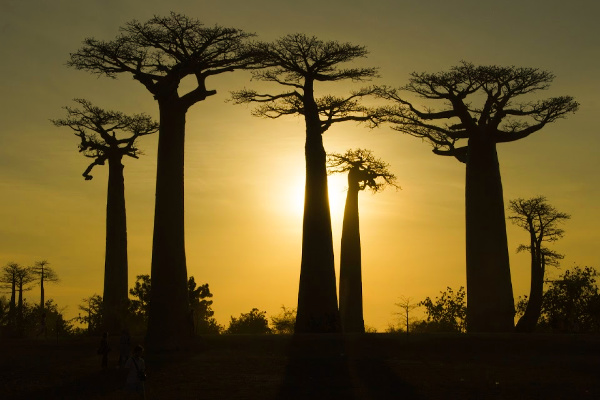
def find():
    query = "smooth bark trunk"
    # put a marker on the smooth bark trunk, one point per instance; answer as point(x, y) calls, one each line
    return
point(351, 301)
point(317, 295)
point(170, 324)
point(529, 319)
point(42, 291)
point(489, 288)
point(115, 264)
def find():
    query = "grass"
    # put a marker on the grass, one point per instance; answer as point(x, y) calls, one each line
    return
point(372, 366)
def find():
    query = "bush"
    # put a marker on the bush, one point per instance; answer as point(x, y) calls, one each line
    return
point(254, 322)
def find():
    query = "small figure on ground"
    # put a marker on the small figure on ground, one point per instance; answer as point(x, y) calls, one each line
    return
point(137, 372)
point(124, 347)
point(104, 349)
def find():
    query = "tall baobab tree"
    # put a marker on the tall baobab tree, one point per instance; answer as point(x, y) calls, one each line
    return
point(297, 62)
point(159, 54)
point(364, 172)
point(108, 136)
point(44, 274)
point(479, 106)
point(541, 221)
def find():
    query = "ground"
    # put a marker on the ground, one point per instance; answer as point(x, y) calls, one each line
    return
point(371, 366)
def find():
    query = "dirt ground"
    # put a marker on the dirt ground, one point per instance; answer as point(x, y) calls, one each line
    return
point(372, 366)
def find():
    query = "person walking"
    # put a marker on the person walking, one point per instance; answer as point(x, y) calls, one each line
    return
point(136, 376)
point(104, 349)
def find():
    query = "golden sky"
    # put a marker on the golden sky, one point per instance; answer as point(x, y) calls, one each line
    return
point(245, 175)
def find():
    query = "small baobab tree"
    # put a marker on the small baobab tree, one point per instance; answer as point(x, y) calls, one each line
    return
point(480, 106)
point(541, 221)
point(108, 136)
point(44, 274)
point(297, 63)
point(364, 172)
point(159, 54)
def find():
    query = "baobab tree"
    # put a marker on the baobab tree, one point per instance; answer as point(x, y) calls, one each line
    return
point(42, 272)
point(159, 54)
point(541, 221)
point(364, 172)
point(297, 62)
point(108, 136)
point(9, 280)
point(480, 106)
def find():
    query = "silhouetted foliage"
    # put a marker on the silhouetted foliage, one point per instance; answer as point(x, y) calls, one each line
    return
point(141, 296)
point(92, 308)
point(572, 302)
point(541, 221)
point(202, 313)
point(364, 172)
point(446, 313)
point(110, 136)
point(479, 107)
point(254, 322)
point(159, 54)
point(284, 322)
point(297, 62)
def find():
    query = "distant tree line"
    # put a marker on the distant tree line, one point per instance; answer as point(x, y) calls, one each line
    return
point(570, 304)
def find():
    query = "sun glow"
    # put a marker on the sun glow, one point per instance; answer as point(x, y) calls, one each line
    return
point(337, 188)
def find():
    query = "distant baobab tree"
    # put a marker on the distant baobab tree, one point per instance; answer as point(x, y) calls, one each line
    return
point(541, 221)
point(110, 136)
point(297, 62)
point(159, 54)
point(44, 274)
point(9, 280)
point(364, 172)
point(479, 106)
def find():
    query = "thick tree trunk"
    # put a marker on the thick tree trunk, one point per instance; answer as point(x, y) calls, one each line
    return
point(170, 324)
point(42, 291)
point(528, 321)
point(489, 288)
point(351, 301)
point(115, 264)
point(317, 295)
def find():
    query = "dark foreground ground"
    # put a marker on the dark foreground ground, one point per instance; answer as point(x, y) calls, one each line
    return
point(373, 366)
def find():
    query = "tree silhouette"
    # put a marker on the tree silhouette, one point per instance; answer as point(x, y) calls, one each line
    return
point(364, 172)
point(541, 221)
point(9, 279)
point(159, 54)
point(297, 62)
point(109, 136)
point(44, 274)
point(480, 108)
point(407, 305)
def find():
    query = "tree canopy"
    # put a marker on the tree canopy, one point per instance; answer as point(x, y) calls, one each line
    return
point(159, 53)
point(478, 100)
point(101, 132)
point(368, 169)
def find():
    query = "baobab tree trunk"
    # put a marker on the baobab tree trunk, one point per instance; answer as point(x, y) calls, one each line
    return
point(170, 324)
point(317, 295)
point(351, 302)
point(490, 305)
point(115, 265)
point(42, 291)
point(528, 321)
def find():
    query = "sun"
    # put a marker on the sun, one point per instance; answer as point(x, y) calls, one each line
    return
point(337, 187)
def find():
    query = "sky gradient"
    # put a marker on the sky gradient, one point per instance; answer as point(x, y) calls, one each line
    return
point(245, 175)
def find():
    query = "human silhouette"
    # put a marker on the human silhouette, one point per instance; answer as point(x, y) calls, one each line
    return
point(104, 349)
point(137, 372)
point(124, 347)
